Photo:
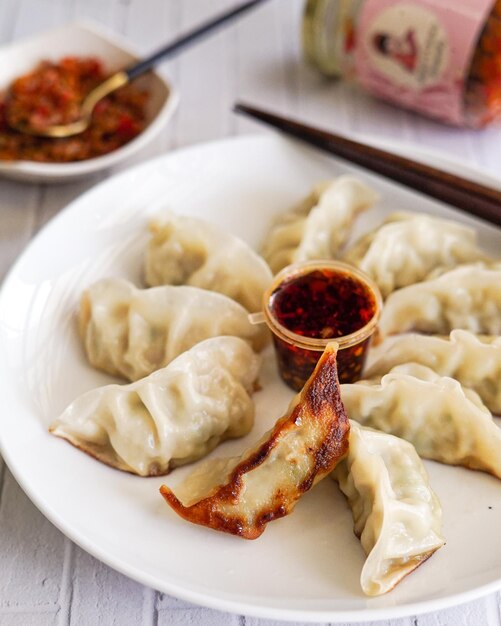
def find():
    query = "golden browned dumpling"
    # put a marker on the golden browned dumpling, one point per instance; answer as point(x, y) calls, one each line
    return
point(241, 495)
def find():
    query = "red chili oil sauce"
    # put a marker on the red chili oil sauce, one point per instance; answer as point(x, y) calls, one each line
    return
point(322, 304)
point(52, 93)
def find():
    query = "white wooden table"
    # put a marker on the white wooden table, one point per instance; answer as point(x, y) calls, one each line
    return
point(44, 578)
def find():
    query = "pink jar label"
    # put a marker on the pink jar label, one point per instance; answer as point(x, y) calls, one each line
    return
point(418, 53)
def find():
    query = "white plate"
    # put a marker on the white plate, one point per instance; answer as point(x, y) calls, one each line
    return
point(306, 566)
point(83, 39)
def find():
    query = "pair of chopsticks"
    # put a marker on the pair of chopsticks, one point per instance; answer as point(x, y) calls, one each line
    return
point(470, 197)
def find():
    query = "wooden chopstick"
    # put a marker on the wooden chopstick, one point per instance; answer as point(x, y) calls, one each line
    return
point(470, 197)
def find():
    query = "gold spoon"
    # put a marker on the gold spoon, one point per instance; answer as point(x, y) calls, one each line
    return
point(121, 78)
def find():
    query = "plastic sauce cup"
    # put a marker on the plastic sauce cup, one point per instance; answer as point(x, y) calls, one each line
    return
point(313, 303)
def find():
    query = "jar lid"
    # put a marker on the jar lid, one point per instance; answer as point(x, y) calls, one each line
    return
point(328, 34)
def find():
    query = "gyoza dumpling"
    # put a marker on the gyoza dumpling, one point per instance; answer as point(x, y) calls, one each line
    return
point(467, 297)
point(132, 332)
point(396, 515)
point(190, 251)
point(486, 263)
point(241, 495)
point(444, 421)
point(408, 246)
point(174, 416)
point(474, 361)
point(320, 226)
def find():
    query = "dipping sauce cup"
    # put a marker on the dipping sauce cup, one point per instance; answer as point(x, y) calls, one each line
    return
point(312, 303)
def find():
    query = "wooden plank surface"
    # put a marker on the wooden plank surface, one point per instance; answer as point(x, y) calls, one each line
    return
point(44, 578)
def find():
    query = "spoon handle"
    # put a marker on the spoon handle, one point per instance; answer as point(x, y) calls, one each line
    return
point(188, 39)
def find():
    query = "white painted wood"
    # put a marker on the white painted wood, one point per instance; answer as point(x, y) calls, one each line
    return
point(28, 619)
point(197, 617)
point(9, 11)
point(465, 615)
point(205, 78)
point(18, 208)
point(98, 592)
point(31, 554)
point(35, 15)
point(495, 602)
point(168, 603)
point(252, 621)
point(44, 578)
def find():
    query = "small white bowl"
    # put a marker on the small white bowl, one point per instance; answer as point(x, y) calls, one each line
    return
point(83, 39)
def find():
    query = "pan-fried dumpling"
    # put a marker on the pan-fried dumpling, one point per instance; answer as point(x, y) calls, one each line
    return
point(396, 515)
point(174, 416)
point(320, 226)
point(190, 251)
point(444, 421)
point(467, 297)
point(408, 246)
point(241, 495)
point(474, 361)
point(132, 332)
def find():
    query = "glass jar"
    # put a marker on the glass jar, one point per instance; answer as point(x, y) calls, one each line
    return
point(442, 59)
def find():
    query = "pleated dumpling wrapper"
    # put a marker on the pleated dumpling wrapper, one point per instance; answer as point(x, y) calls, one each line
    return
point(467, 297)
point(320, 226)
point(132, 332)
point(443, 420)
point(241, 495)
point(396, 514)
point(474, 361)
point(174, 416)
point(190, 251)
point(408, 246)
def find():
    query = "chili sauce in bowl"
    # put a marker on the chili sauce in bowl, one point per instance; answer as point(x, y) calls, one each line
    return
point(52, 93)
point(146, 111)
point(310, 304)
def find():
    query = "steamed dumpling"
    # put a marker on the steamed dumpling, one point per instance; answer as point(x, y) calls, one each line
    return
point(396, 515)
point(174, 416)
point(444, 421)
point(467, 297)
point(320, 226)
point(132, 332)
point(408, 246)
point(486, 263)
point(190, 251)
point(474, 361)
point(241, 495)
